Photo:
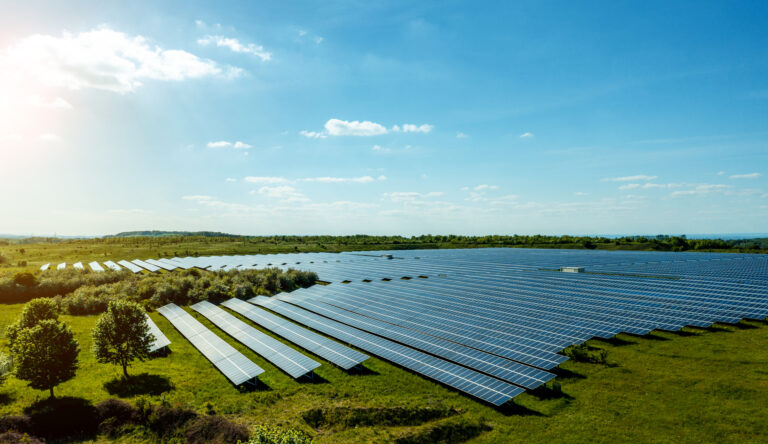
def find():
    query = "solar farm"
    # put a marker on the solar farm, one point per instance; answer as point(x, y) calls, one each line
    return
point(488, 323)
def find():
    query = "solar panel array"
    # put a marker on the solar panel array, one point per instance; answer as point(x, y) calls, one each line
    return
point(279, 354)
point(233, 364)
point(477, 384)
point(160, 340)
point(503, 315)
point(327, 349)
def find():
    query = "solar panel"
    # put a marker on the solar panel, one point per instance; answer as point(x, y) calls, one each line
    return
point(279, 354)
point(145, 265)
point(61, 266)
point(160, 264)
point(327, 349)
point(133, 268)
point(233, 364)
point(45, 267)
point(112, 266)
point(484, 387)
point(160, 340)
point(96, 267)
point(78, 266)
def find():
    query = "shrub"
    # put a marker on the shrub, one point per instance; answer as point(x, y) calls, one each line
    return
point(18, 438)
point(166, 421)
point(21, 424)
point(583, 353)
point(263, 434)
point(115, 408)
point(214, 429)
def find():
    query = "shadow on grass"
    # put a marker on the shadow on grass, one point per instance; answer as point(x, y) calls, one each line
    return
point(563, 373)
point(686, 333)
point(362, 370)
point(63, 419)
point(615, 341)
point(741, 325)
point(543, 392)
point(259, 386)
point(143, 384)
point(313, 378)
point(653, 336)
point(719, 328)
point(513, 409)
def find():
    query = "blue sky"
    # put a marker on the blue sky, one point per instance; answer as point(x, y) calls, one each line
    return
point(384, 117)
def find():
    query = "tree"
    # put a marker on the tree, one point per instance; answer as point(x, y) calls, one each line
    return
point(45, 355)
point(34, 312)
point(122, 335)
point(6, 367)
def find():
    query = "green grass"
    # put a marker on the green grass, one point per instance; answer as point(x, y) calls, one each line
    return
point(695, 386)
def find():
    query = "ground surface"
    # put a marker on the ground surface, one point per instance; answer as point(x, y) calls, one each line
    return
point(693, 386)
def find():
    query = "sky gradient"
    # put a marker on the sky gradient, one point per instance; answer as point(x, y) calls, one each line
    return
point(348, 117)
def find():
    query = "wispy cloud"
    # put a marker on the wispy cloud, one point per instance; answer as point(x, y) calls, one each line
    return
point(57, 103)
point(460, 135)
point(224, 144)
point(266, 179)
point(486, 187)
point(745, 176)
point(363, 179)
point(313, 134)
point(410, 196)
point(629, 178)
point(49, 137)
point(337, 127)
point(650, 185)
point(526, 136)
point(104, 59)
point(284, 193)
point(365, 128)
point(234, 45)
point(701, 189)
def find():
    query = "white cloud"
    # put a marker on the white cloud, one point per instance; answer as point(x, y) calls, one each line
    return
point(224, 144)
point(231, 179)
point(363, 179)
point(579, 193)
point(376, 148)
point(336, 127)
point(745, 176)
point(411, 128)
point(460, 135)
point(382, 177)
point(629, 178)
point(701, 189)
point(720, 173)
point(313, 134)
point(49, 137)
point(266, 179)
point(526, 136)
point(410, 196)
point(283, 192)
point(104, 59)
point(234, 45)
point(486, 187)
point(319, 40)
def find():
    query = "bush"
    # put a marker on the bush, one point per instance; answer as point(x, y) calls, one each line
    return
point(18, 438)
point(214, 429)
point(263, 434)
point(21, 424)
point(115, 408)
point(584, 353)
point(166, 421)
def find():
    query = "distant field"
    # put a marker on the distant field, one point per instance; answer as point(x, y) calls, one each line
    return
point(14, 253)
point(693, 386)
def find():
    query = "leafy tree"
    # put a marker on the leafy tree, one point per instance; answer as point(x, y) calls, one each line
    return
point(25, 279)
point(45, 355)
point(122, 335)
point(34, 312)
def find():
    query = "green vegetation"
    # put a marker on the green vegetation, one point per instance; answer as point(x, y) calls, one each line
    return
point(121, 335)
point(45, 355)
point(39, 251)
point(692, 386)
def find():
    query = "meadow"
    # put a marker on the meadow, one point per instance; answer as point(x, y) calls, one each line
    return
point(695, 385)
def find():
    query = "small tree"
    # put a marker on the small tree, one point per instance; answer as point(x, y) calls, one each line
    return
point(45, 355)
point(122, 335)
point(34, 312)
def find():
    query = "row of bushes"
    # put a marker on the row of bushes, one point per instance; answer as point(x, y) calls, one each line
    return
point(68, 418)
point(82, 292)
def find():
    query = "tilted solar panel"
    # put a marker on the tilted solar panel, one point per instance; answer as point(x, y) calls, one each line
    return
point(279, 354)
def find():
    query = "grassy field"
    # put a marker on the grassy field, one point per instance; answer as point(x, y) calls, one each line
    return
point(693, 386)
point(38, 251)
